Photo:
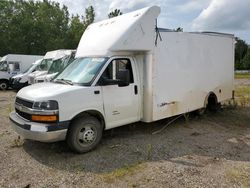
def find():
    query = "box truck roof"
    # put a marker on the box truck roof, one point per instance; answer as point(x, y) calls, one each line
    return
point(129, 32)
point(57, 54)
point(134, 31)
point(19, 57)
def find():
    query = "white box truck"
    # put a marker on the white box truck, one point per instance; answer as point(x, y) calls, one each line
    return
point(13, 64)
point(127, 70)
point(56, 55)
point(21, 80)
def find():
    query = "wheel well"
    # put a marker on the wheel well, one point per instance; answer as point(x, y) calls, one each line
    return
point(5, 80)
point(212, 102)
point(212, 99)
point(93, 113)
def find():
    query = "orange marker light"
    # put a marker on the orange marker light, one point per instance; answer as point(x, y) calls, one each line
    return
point(44, 118)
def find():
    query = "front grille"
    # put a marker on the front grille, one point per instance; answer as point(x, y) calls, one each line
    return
point(23, 102)
point(23, 114)
point(31, 80)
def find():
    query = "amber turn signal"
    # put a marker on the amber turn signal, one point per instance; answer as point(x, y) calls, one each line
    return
point(44, 118)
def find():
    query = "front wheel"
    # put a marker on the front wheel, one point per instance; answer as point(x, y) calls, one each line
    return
point(3, 85)
point(84, 134)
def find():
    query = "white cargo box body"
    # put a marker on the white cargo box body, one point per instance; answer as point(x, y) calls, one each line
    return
point(186, 67)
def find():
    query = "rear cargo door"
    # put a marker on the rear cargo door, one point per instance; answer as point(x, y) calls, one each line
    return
point(121, 103)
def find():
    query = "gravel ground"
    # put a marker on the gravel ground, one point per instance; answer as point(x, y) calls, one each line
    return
point(208, 151)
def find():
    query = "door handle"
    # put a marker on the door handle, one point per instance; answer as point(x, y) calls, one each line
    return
point(136, 89)
point(96, 92)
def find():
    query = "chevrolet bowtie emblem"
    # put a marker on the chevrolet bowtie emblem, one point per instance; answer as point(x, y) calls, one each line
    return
point(20, 107)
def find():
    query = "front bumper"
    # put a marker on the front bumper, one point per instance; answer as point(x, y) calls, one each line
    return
point(18, 85)
point(39, 131)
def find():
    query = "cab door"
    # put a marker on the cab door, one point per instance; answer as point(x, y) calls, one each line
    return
point(121, 103)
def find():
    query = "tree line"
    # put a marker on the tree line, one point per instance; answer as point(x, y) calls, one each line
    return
point(35, 27)
point(242, 55)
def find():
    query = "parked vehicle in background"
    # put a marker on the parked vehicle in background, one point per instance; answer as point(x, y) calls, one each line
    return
point(47, 62)
point(57, 66)
point(21, 80)
point(13, 64)
point(126, 69)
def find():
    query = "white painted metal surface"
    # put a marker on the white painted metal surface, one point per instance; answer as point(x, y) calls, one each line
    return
point(134, 31)
point(187, 67)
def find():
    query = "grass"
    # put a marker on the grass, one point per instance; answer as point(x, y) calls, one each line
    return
point(239, 175)
point(242, 75)
point(123, 171)
point(242, 95)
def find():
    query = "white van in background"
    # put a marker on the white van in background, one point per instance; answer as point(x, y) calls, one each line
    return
point(57, 66)
point(47, 62)
point(21, 80)
point(13, 64)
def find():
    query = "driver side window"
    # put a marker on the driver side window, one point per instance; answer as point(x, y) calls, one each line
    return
point(116, 66)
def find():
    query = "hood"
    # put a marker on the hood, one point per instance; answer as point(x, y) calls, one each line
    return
point(18, 76)
point(45, 78)
point(45, 91)
point(37, 73)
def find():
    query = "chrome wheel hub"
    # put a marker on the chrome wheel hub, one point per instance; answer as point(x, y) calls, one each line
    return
point(89, 136)
point(86, 136)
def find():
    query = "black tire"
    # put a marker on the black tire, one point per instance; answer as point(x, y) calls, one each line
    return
point(4, 84)
point(214, 107)
point(84, 134)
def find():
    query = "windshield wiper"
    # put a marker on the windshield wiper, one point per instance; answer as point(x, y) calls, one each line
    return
point(63, 81)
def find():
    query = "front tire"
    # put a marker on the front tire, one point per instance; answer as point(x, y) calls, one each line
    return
point(84, 134)
point(4, 85)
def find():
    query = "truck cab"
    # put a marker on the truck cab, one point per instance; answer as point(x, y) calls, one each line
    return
point(103, 87)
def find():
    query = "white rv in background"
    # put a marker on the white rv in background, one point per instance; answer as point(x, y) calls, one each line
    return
point(57, 66)
point(126, 69)
point(13, 64)
point(21, 80)
point(56, 55)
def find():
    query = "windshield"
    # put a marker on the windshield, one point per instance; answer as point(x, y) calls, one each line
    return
point(45, 65)
point(30, 67)
point(58, 65)
point(3, 66)
point(82, 70)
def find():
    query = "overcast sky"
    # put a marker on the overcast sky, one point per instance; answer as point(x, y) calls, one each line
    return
point(231, 16)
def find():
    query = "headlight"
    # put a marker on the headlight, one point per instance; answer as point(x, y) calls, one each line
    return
point(46, 105)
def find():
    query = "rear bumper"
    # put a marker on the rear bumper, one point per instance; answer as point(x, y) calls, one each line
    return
point(38, 131)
